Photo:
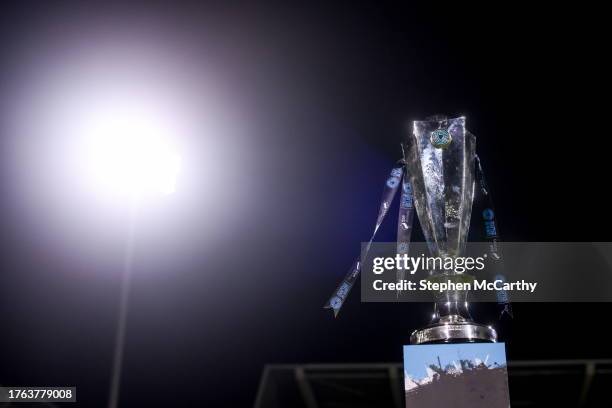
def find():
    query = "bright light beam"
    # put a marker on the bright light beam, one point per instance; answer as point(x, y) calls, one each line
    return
point(130, 152)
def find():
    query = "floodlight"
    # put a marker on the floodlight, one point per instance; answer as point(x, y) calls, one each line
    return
point(130, 153)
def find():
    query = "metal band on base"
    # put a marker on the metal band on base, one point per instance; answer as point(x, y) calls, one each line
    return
point(455, 332)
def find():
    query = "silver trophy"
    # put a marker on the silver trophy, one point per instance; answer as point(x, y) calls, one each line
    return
point(440, 159)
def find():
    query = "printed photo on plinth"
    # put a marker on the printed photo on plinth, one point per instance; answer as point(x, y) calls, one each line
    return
point(459, 375)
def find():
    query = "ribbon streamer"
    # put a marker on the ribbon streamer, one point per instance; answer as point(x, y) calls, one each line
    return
point(490, 233)
point(404, 222)
point(392, 184)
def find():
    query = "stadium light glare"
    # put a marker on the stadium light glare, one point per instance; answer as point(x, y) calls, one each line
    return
point(130, 153)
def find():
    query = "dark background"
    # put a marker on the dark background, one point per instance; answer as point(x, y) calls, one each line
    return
point(329, 89)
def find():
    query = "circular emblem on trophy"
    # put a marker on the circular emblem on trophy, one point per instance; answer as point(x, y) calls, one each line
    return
point(440, 138)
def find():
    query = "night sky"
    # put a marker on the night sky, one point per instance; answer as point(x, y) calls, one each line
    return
point(235, 276)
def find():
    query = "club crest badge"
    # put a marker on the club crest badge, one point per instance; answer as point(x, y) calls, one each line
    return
point(440, 138)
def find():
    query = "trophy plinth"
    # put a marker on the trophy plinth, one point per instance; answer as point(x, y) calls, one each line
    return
point(440, 159)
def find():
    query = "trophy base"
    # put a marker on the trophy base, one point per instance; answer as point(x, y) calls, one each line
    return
point(454, 329)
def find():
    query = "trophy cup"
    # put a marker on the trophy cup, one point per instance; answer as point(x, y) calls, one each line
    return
point(440, 159)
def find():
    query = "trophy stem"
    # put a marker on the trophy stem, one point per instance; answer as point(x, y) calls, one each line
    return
point(452, 322)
